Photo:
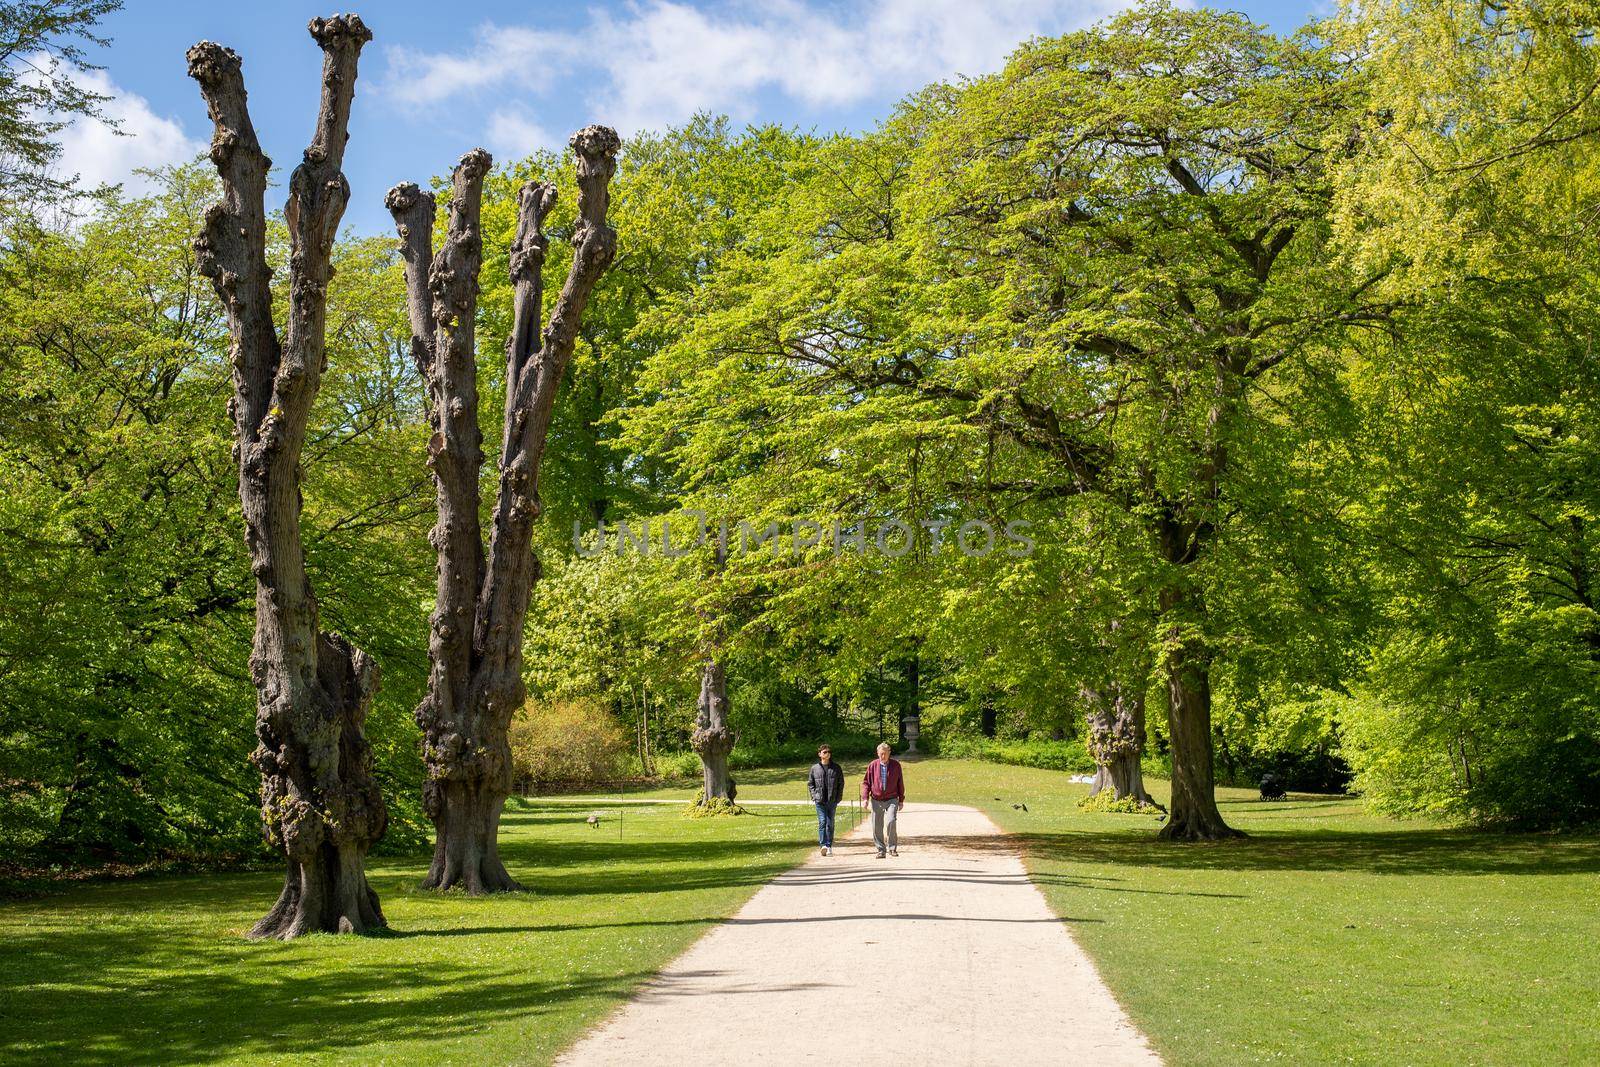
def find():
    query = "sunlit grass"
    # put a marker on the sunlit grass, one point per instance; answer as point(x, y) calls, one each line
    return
point(1328, 936)
point(155, 970)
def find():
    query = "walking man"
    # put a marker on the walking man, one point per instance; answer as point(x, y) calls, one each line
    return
point(826, 783)
point(885, 788)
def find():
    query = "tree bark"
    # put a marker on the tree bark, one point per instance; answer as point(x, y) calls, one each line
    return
point(319, 802)
point(1116, 741)
point(712, 739)
point(1187, 668)
point(475, 644)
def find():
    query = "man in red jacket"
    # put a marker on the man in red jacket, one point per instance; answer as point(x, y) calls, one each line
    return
point(884, 787)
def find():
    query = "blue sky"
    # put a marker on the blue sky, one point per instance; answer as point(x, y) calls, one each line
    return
point(440, 78)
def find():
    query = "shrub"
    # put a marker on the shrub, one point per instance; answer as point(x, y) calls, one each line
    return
point(699, 809)
point(1289, 735)
point(1069, 755)
point(1106, 801)
point(1046, 755)
point(683, 764)
point(847, 748)
point(573, 740)
point(1505, 732)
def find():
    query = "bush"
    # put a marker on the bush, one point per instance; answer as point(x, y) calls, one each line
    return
point(1461, 762)
point(699, 809)
point(1106, 801)
point(1070, 756)
point(846, 748)
point(1505, 732)
point(1046, 755)
point(573, 740)
point(1293, 737)
point(683, 764)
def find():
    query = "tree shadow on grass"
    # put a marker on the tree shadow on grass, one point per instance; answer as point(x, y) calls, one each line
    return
point(156, 970)
point(103, 997)
point(712, 920)
point(1402, 852)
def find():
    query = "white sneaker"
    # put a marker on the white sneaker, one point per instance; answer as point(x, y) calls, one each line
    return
point(826, 851)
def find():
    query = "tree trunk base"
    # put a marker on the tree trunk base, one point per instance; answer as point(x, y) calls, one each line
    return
point(1124, 776)
point(329, 895)
point(1189, 826)
point(476, 880)
point(466, 851)
point(1194, 815)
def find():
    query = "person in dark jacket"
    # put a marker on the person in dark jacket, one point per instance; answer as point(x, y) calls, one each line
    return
point(884, 788)
point(826, 783)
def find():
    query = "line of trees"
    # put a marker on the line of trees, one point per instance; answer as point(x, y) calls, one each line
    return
point(1281, 346)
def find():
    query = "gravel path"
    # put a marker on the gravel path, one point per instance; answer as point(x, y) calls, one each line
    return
point(944, 955)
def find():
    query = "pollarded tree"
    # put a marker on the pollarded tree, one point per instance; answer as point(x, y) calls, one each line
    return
point(475, 639)
point(1116, 740)
point(713, 738)
point(318, 797)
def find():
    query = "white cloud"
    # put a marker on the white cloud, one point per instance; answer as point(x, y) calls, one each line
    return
point(656, 62)
point(97, 155)
point(501, 55)
point(512, 135)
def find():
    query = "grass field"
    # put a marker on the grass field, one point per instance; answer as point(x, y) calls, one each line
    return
point(154, 970)
point(1326, 937)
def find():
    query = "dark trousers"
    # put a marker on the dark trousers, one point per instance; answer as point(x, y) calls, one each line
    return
point(825, 824)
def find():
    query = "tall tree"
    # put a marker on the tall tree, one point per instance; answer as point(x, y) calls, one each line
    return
point(318, 797)
point(1473, 182)
point(475, 640)
point(1104, 268)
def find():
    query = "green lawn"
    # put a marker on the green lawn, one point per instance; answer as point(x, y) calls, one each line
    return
point(154, 970)
point(1327, 937)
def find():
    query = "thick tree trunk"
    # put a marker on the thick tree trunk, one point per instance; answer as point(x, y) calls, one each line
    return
point(475, 646)
point(712, 739)
point(319, 802)
point(1116, 741)
point(1194, 815)
point(466, 850)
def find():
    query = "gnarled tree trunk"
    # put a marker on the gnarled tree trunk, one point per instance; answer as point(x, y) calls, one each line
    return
point(712, 738)
point(1116, 741)
point(475, 642)
point(318, 798)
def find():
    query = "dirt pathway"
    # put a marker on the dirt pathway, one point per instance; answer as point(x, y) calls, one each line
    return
point(944, 955)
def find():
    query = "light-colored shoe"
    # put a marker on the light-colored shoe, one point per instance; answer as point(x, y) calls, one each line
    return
point(894, 852)
point(880, 855)
point(826, 851)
